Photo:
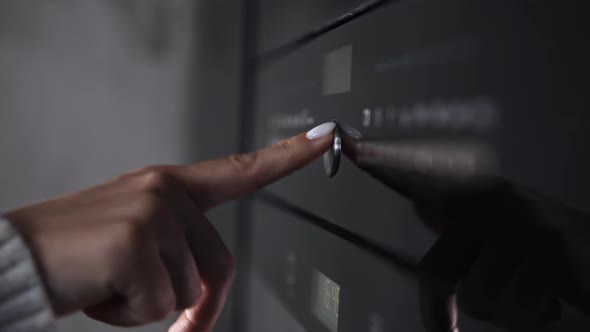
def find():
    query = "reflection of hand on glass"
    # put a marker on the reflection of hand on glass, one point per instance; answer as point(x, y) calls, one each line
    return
point(509, 256)
point(506, 255)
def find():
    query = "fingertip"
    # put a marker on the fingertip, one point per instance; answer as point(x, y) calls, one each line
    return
point(315, 145)
point(183, 323)
point(320, 131)
point(309, 145)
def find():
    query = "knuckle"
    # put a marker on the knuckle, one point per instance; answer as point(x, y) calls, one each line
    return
point(146, 169)
point(133, 234)
point(286, 145)
point(155, 179)
point(226, 266)
point(127, 243)
point(149, 207)
point(474, 303)
point(165, 306)
point(243, 162)
point(195, 296)
point(190, 297)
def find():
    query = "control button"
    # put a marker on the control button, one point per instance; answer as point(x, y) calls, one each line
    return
point(290, 273)
point(332, 156)
point(376, 323)
point(366, 118)
point(378, 117)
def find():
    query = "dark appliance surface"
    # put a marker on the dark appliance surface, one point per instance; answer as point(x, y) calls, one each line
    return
point(457, 89)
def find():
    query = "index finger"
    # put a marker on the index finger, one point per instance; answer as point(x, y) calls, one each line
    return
point(215, 182)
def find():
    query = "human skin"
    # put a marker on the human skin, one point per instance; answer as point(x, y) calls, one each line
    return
point(139, 247)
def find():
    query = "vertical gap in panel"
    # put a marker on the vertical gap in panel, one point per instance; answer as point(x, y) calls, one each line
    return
point(241, 312)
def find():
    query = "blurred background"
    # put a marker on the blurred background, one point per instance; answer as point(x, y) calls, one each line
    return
point(91, 89)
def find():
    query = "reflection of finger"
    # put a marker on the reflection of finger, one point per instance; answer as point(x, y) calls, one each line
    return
point(479, 292)
point(215, 265)
point(529, 301)
point(525, 305)
point(439, 311)
point(576, 290)
point(445, 264)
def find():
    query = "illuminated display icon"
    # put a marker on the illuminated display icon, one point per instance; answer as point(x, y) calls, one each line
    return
point(325, 300)
point(337, 73)
point(331, 296)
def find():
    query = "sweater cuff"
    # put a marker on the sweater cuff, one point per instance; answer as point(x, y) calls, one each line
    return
point(24, 306)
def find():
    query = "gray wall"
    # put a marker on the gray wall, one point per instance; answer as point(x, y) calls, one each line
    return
point(217, 83)
point(90, 89)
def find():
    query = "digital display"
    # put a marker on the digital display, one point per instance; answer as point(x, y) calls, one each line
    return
point(337, 70)
point(325, 300)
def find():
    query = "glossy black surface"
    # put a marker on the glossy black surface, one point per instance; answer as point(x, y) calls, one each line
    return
point(374, 295)
point(281, 21)
point(298, 249)
point(485, 87)
point(441, 96)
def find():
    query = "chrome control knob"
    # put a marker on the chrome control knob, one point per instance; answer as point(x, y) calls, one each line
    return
point(332, 156)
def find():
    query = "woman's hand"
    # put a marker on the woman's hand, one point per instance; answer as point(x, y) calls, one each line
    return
point(135, 249)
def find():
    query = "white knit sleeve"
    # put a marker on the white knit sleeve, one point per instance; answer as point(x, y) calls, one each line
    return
point(24, 306)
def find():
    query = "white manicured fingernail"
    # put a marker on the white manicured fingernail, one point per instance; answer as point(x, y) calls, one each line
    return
point(321, 130)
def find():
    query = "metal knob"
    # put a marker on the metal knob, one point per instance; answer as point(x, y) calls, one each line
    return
point(332, 156)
